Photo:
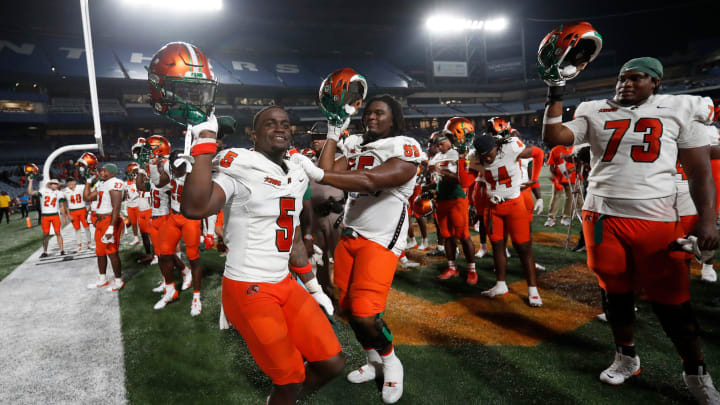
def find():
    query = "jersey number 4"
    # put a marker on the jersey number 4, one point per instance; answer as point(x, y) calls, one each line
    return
point(503, 178)
point(284, 235)
point(648, 152)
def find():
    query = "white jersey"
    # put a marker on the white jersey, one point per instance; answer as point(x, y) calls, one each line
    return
point(262, 208)
point(633, 152)
point(74, 198)
point(176, 186)
point(503, 176)
point(685, 204)
point(380, 216)
point(133, 195)
point(447, 160)
point(160, 200)
point(104, 206)
point(524, 165)
point(50, 201)
point(144, 201)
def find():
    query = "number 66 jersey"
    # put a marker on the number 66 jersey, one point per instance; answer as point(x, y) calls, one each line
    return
point(380, 216)
point(634, 150)
point(262, 208)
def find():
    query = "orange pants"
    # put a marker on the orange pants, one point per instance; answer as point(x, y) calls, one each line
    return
point(145, 221)
point(453, 218)
point(101, 225)
point(48, 220)
point(79, 216)
point(364, 271)
point(282, 325)
point(633, 254)
point(411, 200)
point(527, 196)
point(175, 227)
point(158, 223)
point(715, 164)
point(688, 223)
point(133, 213)
point(509, 217)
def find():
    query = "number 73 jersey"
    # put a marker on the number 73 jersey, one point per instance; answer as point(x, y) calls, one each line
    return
point(262, 208)
point(634, 149)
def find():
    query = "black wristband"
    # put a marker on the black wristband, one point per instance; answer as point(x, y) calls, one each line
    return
point(555, 93)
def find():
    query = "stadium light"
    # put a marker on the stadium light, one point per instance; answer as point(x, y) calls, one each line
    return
point(178, 5)
point(449, 24)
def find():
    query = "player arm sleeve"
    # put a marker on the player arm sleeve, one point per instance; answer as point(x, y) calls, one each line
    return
point(466, 176)
point(698, 130)
point(232, 188)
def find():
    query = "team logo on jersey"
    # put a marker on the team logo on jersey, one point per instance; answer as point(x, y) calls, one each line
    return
point(253, 289)
point(272, 181)
point(607, 110)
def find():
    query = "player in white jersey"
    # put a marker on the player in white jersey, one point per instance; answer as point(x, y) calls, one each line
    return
point(132, 199)
point(76, 211)
point(109, 224)
point(50, 197)
point(261, 196)
point(629, 215)
point(378, 170)
point(497, 162)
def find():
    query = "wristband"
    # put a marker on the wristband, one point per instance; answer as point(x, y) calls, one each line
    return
point(203, 146)
point(554, 93)
point(308, 237)
point(552, 120)
point(313, 286)
point(301, 270)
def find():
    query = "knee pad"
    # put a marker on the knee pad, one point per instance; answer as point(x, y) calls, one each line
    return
point(678, 321)
point(619, 308)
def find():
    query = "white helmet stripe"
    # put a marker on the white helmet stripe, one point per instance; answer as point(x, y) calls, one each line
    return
point(193, 58)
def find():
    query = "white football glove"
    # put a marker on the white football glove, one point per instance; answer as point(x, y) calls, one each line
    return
point(315, 173)
point(317, 256)
point(690, 245)
point(316, 291)
point(223, 322)
point(192, 138)
point(334, 133)
point(111, 238)
point(539, 207)
point(562, 167)
point(496, 199)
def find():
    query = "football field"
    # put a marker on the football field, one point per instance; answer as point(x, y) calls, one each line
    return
point(456, 346)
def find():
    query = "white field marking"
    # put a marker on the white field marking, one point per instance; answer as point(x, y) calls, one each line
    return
point(60, 343)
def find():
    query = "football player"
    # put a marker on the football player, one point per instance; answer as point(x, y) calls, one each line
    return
point(132, 197)
point(452, 208)
point(261, 193)
point(50, 197)
point(629, 215)
point(563, 175)
point(378, 170)
point(496, 160)
point(109, 224)
point(76, 211)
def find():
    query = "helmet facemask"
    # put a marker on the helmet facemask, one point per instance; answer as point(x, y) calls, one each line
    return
point(183, 100)
point(338, 93)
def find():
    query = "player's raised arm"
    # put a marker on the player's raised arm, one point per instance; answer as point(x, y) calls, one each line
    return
point(201, 197)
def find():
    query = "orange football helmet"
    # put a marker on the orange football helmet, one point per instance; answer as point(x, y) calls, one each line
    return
point(423, 206)
point(31, 169)
point(499, 126)
point(159, 145)
point(88, 160)
point(131, 170)
point(137, 146)
point(566, 51)
point(461, 131)
point(334, 92)
point(182, 83)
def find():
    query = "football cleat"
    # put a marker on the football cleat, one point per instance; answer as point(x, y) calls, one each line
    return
point(708, 273)
point(364, 374)
point(565, 222)
point(187, 278)
point(498, 289)
point(472, 277)
point(621, 369)
point(99, 283)
point(482, 252)
point(702, 388)
point(535, 300)
point(448, 274)
point(423, 245)
point(117, 285)
point(408, 264)
point(196, 307)
point(43, 255)
point(539, 267)
point(393, 375)
point(168, 297)
point(549, 223)
point(507, 253)
point(160, 287)
point(154, 260)
point(412, 244)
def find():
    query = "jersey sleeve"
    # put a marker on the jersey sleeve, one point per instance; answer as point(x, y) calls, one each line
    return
point(228, 175)
point(579, 123)
point(516, 146)
point(407, 149)
point(697, 131)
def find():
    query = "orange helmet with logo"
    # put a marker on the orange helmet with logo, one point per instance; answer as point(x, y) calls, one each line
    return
point(566, 51)
point(462, 131)
point(182, 83)
point(137, 146)
point(499, 126)
point(340, 88)
point(88, 160)
point(31, 169)
point(307, 152)
point(423, 206)
point(130, 170)
point(159, 145)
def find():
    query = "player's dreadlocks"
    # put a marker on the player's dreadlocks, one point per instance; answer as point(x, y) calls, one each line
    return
point(398, 118)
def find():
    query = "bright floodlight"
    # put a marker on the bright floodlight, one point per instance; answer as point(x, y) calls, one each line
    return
point(449, 24)
point(179, 5)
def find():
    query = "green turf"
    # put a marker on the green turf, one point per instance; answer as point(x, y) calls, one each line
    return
point(18, 242)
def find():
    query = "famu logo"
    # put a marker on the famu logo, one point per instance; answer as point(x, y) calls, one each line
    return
point(272, 181)
point(607, 110)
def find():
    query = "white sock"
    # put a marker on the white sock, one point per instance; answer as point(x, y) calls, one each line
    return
point(424, 241)
point(77, 237)
point(373, 356)
point(87, 235)
point(390, 357)
point(441, 248)
point(483, 246)
point(169, 288)
point(533, 292)
point(471, 266)
point(500, 284)
point(196, 295)
point(706, 266)
point(451, 264)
